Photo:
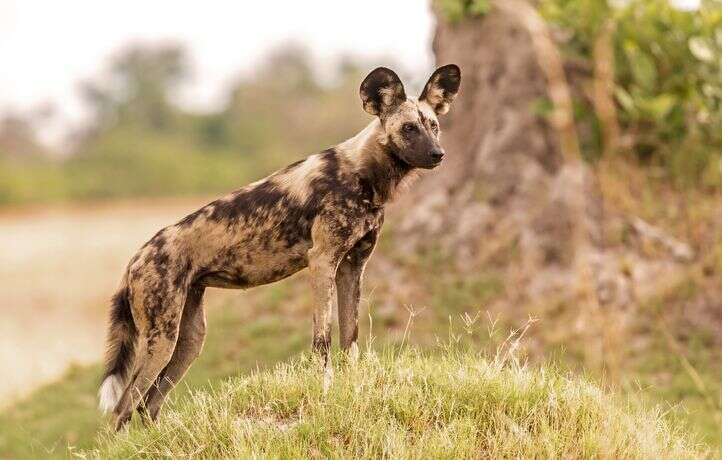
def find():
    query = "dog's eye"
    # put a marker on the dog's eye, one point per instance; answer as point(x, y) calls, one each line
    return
point(409, 127)
point(434, 126)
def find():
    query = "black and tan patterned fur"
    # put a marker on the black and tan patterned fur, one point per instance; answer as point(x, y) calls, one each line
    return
point(323, 213)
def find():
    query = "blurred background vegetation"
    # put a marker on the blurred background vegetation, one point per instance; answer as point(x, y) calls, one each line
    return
point(645, 79)
point(668, 81)
point(667, 78)
point(667, 88)
point(139, 143)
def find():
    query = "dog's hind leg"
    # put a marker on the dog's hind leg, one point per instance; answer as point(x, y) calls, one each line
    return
point(191, 336)
point(158, 321)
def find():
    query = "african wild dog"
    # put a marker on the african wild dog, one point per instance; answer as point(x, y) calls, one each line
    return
point(324, 213)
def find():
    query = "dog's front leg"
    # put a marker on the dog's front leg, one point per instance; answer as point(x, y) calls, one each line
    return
point(330, 242)
point(323, 273)
point(348, 285)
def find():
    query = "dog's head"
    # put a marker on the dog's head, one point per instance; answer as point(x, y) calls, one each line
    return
point(411, 125)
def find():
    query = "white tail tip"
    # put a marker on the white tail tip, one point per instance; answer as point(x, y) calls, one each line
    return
point(110, 392)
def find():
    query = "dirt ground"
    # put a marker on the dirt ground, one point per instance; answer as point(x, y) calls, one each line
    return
point(59, 266)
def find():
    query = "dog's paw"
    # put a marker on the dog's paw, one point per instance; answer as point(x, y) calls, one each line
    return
point(327, 376)
point(353, 354)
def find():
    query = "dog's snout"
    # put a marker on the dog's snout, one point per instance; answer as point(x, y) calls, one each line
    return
point(437, 154)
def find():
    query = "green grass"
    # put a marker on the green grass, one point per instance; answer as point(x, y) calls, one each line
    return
point(404, 404)
point(689, 384)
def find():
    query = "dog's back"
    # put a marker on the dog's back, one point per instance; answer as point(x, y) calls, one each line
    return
point(253, 236)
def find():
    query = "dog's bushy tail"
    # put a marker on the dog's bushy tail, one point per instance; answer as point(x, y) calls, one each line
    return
point(119, 355)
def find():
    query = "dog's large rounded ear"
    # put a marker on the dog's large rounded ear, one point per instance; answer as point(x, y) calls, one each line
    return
point(441, 88)
point(381, 91)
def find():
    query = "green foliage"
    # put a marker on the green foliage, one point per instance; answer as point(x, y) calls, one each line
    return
point(456, 10)
point(405, 405)
point(668, 79)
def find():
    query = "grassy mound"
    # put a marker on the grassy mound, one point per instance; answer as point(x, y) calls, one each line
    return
point(404, 405)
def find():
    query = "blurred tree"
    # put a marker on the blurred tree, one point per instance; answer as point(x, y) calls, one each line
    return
point(283, 107)
point(17, 137)
point(288, 67)
point(515, 191)
point(138, 87)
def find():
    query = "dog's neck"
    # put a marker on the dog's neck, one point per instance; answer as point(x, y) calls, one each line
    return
point(373, 157)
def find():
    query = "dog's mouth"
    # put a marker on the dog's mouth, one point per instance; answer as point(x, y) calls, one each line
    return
point(415, 161)
point(432, 164)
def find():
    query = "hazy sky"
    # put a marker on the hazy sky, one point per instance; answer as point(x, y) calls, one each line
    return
point(47, 47)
